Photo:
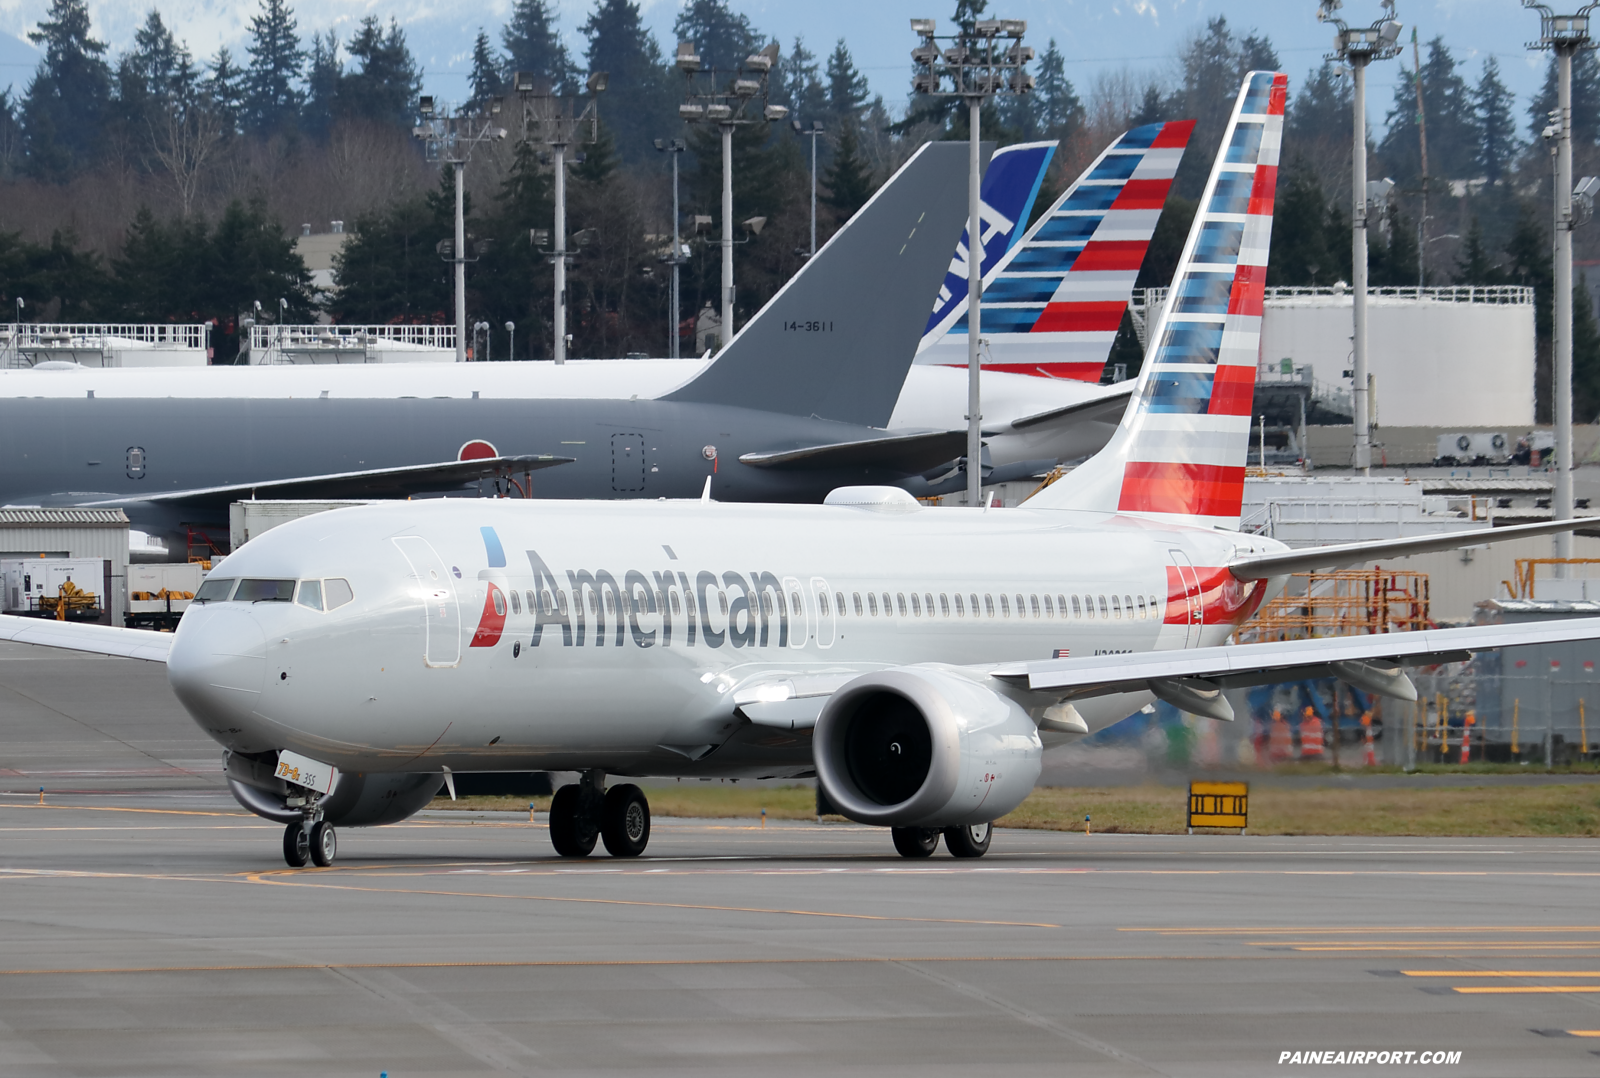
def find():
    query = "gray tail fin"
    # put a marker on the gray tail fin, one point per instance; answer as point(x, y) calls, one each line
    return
point(839, 337)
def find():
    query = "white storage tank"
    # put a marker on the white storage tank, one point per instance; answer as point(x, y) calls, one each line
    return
point(1439, 357)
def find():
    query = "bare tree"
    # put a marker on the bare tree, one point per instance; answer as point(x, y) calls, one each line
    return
point(183, 141)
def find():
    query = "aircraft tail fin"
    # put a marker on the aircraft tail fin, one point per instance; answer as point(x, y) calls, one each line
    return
point(1053, 302)
point(838, 338)
point(1179, 454)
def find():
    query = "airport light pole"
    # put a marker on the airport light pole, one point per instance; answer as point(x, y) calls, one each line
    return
point(726, 106)
point(556, 122)
point(511, 348)
point(449, 139)
point(1565, 35)
point(985, 58)
point(812, 133)
point(674, 147)
point(1359, 46)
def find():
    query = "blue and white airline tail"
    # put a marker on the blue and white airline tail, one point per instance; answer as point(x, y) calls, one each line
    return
point(1053, 302)
point(1010, 185)
point(1179, 454)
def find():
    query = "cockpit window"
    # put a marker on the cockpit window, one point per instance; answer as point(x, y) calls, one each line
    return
point(215, 591)
point(336, 592)
point(310, 594)
point(264, 591)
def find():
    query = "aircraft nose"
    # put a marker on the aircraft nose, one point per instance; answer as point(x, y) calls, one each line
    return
point(218, 664)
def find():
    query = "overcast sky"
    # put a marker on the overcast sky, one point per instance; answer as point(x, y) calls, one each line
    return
point(1094, 35)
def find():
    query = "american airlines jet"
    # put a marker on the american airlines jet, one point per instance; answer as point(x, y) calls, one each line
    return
point(916, 660)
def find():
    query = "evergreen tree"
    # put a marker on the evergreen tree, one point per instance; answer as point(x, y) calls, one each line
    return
point(1299, 253)
point(67, 102)
point(1585, 355)
point(385, 85)
point(251, 257)
point(847, 87)
point(224, 85)
point(1498, 144)
point(722, 38)
point(1585, 99)
point(1060, 111)
point(325, 71)
point(533, 43)
point(1475, 264)
point(271, 98)
point(388, 270)
point(1321, 109)
point(485, 79)
point(803, 92)
point(1450, 109)
point(1530, 263)
point(849, 181)
point(156, 71)
point(1212, 64)
point(10, 135)
point(640, 103)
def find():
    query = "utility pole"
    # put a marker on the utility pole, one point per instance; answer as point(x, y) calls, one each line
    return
point(674, 147)
point(812, 133)
point(986, 58)
point(450, 138)
point(1565, 34)
point(726, 106)
point(1358, 47)
point(554, 121)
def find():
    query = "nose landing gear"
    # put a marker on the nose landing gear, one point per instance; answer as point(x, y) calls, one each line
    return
point(582, 812)
point(311, 839)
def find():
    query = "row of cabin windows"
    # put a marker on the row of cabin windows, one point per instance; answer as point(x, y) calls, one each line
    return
point(1076, 607)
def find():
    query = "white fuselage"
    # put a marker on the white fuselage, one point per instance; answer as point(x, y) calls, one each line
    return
point(445, 659)
point(933, 398)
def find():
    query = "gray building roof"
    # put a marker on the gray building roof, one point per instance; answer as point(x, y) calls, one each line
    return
point(34, 517)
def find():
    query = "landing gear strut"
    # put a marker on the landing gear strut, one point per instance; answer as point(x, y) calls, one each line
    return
point(584, 811)
point(312, 839)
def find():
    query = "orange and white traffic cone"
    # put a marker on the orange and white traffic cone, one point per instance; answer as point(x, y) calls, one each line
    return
point(1466, 737)
point(1366, 726)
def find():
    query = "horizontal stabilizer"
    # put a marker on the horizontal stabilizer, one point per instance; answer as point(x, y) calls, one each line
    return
point(1105, 409)
point(371, 483)
point(96, 639)
point(1243, 665)
point(1262, 566)
point(910, 454)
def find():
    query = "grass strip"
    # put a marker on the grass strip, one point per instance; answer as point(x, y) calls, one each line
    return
point(1484, 811)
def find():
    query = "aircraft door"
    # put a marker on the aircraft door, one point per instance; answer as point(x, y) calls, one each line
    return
point(441, 607)
point(823, 603)
point(1185, 590)
point(627, 462)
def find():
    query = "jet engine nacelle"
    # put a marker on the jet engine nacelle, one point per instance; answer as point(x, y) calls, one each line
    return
point(923, 746)
point(358, 800)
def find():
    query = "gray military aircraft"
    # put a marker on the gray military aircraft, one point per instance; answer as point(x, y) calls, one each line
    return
point(793, 407)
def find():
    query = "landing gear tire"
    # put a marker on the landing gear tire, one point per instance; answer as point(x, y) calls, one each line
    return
point(915, 841)
point(969, 840)
point(625, 828)
point(570, 832)
point(296, 845)
point(324, 843)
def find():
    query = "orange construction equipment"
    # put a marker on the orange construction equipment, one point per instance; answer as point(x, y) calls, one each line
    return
point(1280, 742)
point(1311, 745)
point(1366, 728)
point(1466, 737)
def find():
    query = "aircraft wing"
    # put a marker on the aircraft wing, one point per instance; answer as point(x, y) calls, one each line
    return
point(99, 639)
point(369, 483)
point(911, 453)
point(1305, 559)
point(1193, 679)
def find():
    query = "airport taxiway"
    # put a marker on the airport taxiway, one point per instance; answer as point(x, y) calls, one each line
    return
point(148, 927)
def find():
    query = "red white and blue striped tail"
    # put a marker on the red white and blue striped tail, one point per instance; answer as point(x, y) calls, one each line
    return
point(1179, 454)
point(1052, 304)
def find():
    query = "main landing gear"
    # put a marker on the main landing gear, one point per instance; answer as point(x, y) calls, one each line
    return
point(584, 811)
point(971, 840)
point(311, 839)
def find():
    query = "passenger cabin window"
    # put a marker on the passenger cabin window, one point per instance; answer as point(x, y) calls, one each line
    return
point(888, 607)
point(1127, 604)
point(944, 604)
point(973, 598)
point(1103, 612)
point(838, 602)
point(673, 596)
point(1116, 607)
point(1088, 605)
point(722, 600)
point(1049, 611)
point(1061, 604)
point(872, 603)
point(310, 594)
point(499, 600)
point(927, 601)
point(264, 591)
point(822, 604)
point(960, 613)
point(215, 591)
point(796, 607)
point(916, 606)
point(516, 603)
point(856, 595)
point(988, 605)
point(1005, 607)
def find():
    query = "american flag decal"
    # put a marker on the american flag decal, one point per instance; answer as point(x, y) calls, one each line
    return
point(1053, 304)
point(1062, 653)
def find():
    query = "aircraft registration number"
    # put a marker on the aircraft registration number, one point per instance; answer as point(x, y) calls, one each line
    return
point(808, 327)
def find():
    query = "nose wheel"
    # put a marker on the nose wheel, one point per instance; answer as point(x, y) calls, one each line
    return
point(317, 844)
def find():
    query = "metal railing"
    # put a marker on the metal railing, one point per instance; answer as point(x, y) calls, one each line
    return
point(26, 344)
point(342, 344)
